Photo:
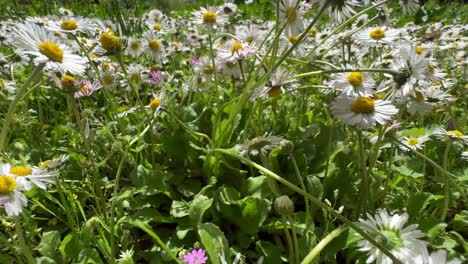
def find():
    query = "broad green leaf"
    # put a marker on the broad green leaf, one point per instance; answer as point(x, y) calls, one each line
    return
point(198, 207)
point(71, 246)
point(269, 251)
point(418, 202)
point(152, 181)
point(214, 242)
point(88, 256)
point(49, 243)
point(180, 209)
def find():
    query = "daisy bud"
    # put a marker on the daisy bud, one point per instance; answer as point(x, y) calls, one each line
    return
point(283, 205)
point(286, 146)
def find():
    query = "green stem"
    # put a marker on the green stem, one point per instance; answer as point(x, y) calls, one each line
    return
point(116, 190)
point(446, 184)
point(24, 247)
point(12, 107)
point(301, 182)
point(288, 240)
point(323, 243)
point(314, 200)
point(364, 177)
point(296, 243)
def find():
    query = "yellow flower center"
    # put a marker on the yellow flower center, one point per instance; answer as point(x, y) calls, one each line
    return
point(363, 105)
point(154, 45)
point(20, 171)
point(457, 133)
point(413, 141)
point(376, 97)
point(236, 47)
point(419, 97)
point(108, 79)
point(253, 140)
point(377, 34)
point(355, 78)
point(43, 164)
point(157, 27)
point(67, 81)
point(430, 68)
point(419, 50)
point(134, 45)
point(275, 91)
point(69, 25)
point(7, 184)
point(231, 64)
point(291, 12)
point(51, 51)
point(110, 42)
point(208, 69)
point(312, 32)
point(123, 108)
point(84, 40)
point(136, 78)
point(293, 39)
point(155, 103)
point(209, 17)
point(249, 39)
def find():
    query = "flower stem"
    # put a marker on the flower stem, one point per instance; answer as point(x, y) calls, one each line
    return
point(323, 243)
point(314, 200)
point(301, 182)
point(12, 107)
point(288, 241)
point(364, 192)
point(307, 74)
point(24, 247)
point(446, 184)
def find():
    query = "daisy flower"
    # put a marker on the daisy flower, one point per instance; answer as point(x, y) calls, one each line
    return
point(53, 163)
point(373, 37)
point(134, 47)
point(110, 42)
point(292, 13)
point(234, 50)
point(157, 103)
point(258, 145)
point(278, 84)
point(251, 34)
point(210, 17)
point(34, 40)
point(352, 83)
point(31, 177)
point(196, 257)
point(409, 6)
point(362, 112)
point(338, 10)
point(65, 12)
point(455, 135)
point(88, 88)
point(155, 77)
point(204, 68)
point(403, 242)
point(464, 155)
point(11, 192)
point(152, 46)
point(417, 104)
point(414, 143)
point(72, 25)
point(438, 257)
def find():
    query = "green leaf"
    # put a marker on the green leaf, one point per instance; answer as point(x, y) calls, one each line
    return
point(418, 202)
point(254, 211)
point(460, 222)
point(88, 256)
point(271, 252)
point(214, 241)
point(198, 207)
point(152, 181)
point(180, 209)
point(71, 246)
point(49, 243)
point(405, 171)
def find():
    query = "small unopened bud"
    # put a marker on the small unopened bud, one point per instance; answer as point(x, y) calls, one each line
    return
point(286, 146)
point(283, 205)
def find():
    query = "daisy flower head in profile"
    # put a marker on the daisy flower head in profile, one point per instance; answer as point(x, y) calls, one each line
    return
point(409, 6)
point(34, 40)
point(235, 50)
point(87, 88)
point(338, 10)
point(261, 145)
point(196, 256)
point(454, 135)
point(31, 177)
point(291, 12)
point(389, 230)
point(278, 84)
point(362, 112)
point(414, 142)
point(11, 192)
point(418, 104)
point(210, 17)
point(352, 83)
point(72, 25)
point(377, 36)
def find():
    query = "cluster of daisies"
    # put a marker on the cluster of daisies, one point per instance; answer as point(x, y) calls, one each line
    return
point(15, 180)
